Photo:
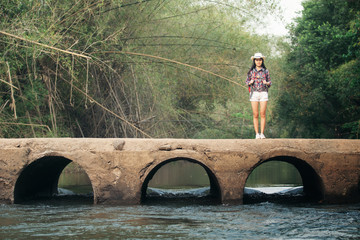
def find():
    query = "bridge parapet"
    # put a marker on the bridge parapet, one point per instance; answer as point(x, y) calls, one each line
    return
point(120, 169)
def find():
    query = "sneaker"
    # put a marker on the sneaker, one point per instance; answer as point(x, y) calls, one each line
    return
point(262, 136)
point(257, 136)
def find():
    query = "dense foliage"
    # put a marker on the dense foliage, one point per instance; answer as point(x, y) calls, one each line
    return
point(320, 96)
point(159, 68)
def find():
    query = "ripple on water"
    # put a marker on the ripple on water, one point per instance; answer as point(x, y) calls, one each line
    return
point(171, 221)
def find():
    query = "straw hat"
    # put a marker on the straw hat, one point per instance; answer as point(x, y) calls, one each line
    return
point(258, 55)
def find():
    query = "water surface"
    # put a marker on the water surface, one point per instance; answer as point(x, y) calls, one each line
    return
point(179, 220)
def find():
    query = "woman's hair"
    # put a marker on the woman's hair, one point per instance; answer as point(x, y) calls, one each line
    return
point(254, 65)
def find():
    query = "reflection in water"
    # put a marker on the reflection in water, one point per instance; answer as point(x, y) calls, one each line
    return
point(180, 173)
point(274, 181)
point(182, 179)
point(74, 179)
point(274, 173)
point(179, 182)
point(185, 174)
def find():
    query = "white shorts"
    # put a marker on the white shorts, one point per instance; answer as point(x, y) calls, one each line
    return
point(259, 96)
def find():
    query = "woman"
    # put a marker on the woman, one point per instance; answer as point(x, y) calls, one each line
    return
point(258, 80)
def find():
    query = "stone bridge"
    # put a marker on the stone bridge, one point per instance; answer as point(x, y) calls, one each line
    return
point(120, 169)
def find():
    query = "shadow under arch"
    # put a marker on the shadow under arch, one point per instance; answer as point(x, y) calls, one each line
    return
point(215, 191)
point(313, 186)
point(39, 180)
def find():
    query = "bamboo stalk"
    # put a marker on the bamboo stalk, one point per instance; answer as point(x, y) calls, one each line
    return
point(72, 80)
point(13, 104)
point(44, 45)
point(87, 83)
point(31, 124)
point(177, 62)
point(1, 80)
point(3, 106)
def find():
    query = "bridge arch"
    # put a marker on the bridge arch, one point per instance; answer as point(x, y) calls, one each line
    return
point(215, 190)
point(39, 179)
point(313, 185)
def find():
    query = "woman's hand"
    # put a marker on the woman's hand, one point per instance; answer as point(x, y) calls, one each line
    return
point(251, 82)
point(265, 82)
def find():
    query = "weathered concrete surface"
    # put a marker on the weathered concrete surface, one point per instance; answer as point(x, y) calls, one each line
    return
point(119, 169)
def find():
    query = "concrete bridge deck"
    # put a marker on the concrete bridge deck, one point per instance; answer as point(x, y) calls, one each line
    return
point(120, 169)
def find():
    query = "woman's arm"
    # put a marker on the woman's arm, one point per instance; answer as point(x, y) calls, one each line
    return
point(267, 80)
point(248, 80)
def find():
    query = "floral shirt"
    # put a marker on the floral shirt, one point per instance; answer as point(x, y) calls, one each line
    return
point(258, 76)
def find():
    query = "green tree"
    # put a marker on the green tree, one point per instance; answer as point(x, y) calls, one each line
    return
point(324, 46)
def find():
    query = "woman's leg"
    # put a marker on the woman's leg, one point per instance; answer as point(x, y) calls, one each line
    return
point(255, 109)
point(263, 115)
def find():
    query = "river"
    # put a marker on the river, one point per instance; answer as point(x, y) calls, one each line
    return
point(180, 221)
point(73, 216)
